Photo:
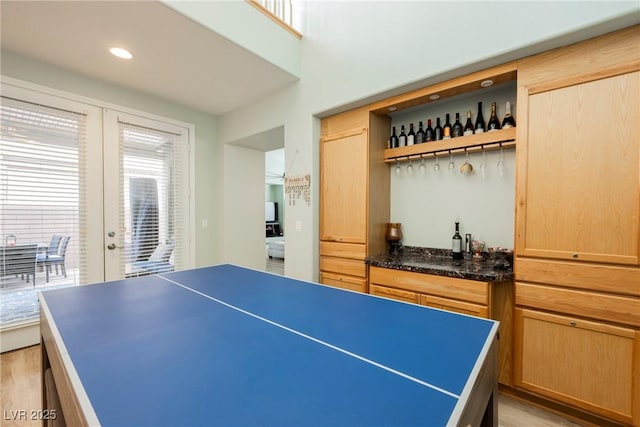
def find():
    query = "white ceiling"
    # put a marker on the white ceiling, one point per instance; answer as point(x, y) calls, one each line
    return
point(174, 58)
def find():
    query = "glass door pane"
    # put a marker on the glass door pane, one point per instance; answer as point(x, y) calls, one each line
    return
point(147, 186)
point(44, 223)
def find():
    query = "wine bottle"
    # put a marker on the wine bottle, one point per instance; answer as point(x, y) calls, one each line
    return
point(508, 120)
point(456, 242)
point(402, 139)
point(446, 130)
point(411, 136)
point(428, 133)
point(468, 127)
point(494, 123)
point(420, 134)
point(480, 126)
point(467, 246)
point(456, 129)
point(437, 131)
point(393, 140)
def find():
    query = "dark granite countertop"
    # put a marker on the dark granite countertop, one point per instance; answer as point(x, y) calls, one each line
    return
point(491, 268)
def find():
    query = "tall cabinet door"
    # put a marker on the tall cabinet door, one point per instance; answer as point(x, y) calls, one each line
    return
point(343, 187)
point(581, 192)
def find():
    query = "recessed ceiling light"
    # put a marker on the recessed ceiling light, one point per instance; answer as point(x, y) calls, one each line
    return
point(434, 97)
point(121, 52)
point(393, 108)
point(486, 83)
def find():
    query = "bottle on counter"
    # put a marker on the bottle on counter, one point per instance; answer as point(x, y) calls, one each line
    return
point(402, 139)
point(468, 251)
point(411, 136)
point(446, 129)
point(393, 140)
point(468, 126)
point(456, 129)
point(480, 126)
point(494, 123)
point(420, 134)
point(456, 243)
point(428, 133)
point(508, 120)
point(437, 131)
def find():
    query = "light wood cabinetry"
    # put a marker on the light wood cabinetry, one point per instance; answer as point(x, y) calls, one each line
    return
point(472, 297)
point(578, 194)
point(454, 305)
point(396, 294)
point(352, 218)
point(344, 187)
point(584, 363)
point(577, 290)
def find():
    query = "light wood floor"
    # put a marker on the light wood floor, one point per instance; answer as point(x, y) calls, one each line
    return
point(275, 266)
point(20, 390)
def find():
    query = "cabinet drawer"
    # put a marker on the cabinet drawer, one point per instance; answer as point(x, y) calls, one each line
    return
point(344, 282)
point(344, 266)
point(453, 305)
point(397, 294)
point(343, 250)
point(448, 287)
point(605, 278)
point(625, 310)
point(590, 365)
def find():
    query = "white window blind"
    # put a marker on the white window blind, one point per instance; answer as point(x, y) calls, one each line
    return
point(41, 160)
point(151, 184)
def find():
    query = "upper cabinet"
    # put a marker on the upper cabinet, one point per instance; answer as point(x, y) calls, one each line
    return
point(578, 191)
point(343, 186)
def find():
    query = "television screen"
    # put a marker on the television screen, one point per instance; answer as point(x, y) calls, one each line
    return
point(271, 211)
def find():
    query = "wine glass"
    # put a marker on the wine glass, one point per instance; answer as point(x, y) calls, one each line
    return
point(452, 165)
point(436, 166)
point(410, 168)
point(466, 168)
point(501, 163)
point(397, 169)
point(423, 166)
point(483, 167)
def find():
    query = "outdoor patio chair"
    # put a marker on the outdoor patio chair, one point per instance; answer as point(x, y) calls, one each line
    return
point(57, 259)
point(43, 256)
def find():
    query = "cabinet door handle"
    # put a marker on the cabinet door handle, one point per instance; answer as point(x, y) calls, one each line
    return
point(575, 255)
point(572, 323)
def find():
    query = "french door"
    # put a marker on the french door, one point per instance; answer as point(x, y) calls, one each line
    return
point(146, 197)
point(112, 185)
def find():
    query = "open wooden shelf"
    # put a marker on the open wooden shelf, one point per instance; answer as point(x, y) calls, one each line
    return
point(484, 141)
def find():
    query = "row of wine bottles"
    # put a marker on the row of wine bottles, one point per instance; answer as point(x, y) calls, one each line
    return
point(451, 130)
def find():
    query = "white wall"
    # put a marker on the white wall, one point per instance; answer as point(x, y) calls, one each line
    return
point(243, 204)
point(354, 52)
point(428, 204)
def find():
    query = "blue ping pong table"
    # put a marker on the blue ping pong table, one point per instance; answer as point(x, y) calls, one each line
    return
point(230, 346)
